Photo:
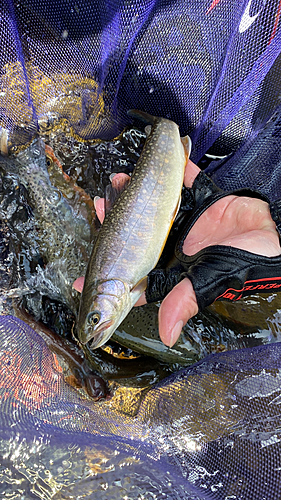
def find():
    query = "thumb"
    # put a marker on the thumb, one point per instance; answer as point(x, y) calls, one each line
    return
point(176, 309)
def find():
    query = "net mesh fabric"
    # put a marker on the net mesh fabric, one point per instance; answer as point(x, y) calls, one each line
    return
point(201, 64)
point(213, 430)
point(256, 164)
point(209, 431)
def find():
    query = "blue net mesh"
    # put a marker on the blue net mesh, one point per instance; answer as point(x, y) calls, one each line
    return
point(211, 431)
point(256, 164)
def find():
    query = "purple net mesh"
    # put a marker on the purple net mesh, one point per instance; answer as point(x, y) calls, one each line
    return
point(202, 64)
point(211, 431)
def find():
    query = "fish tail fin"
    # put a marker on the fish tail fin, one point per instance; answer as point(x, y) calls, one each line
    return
point(142, 115)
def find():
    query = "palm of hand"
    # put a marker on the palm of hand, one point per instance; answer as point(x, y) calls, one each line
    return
point(239, 222)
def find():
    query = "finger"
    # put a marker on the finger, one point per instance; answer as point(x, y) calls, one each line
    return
point(100, 208)
point(79, 284)
point(141, 301)
point(191, 171)
point(176, 309)
point(120, 180)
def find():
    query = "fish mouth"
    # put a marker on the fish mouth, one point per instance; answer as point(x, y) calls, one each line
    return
point(102, 335)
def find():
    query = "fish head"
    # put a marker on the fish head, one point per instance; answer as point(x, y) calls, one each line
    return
point(109, 305)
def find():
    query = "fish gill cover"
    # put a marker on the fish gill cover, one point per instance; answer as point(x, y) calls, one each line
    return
point(210, 431)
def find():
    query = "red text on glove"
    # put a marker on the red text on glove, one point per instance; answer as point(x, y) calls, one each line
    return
point(251, 286)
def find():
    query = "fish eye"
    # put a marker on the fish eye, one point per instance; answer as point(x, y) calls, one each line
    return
point(93, 318)
point(48, 161)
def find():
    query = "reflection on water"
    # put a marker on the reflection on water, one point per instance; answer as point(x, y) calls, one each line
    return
point(67, 471)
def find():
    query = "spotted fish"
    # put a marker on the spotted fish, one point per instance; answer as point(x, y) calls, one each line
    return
point(134, 232)
point(61, 225)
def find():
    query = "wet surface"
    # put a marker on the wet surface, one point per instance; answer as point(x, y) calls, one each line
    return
point(38, 276)
point(74, 172)
point(90, 163)
point(213, 425)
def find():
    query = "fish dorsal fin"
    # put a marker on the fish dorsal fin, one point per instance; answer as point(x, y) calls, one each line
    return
point(118, 184)
point(147, 130)
point(187, 144)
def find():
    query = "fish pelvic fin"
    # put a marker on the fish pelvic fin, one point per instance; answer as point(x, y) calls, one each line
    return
point(142, 115)
point(187, 145)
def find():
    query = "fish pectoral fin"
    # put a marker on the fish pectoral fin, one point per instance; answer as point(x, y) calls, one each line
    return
point(187, 144)
point(138, 289)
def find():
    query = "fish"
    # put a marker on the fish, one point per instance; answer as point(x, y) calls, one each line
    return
point(61, 228)
point(134, 232)
point(81, 203)
point(68, 357)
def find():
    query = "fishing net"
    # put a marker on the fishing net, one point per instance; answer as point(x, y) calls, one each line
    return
point(210, 66)
point(211, 431)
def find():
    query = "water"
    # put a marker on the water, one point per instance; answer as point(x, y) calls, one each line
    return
point(41, 277)
point(46, 244)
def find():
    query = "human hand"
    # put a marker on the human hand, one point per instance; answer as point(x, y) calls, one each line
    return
point(236, 221)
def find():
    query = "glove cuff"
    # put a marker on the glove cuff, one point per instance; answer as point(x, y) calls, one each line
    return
point(227, 273)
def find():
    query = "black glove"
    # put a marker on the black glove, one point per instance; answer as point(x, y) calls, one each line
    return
point(217, 272)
